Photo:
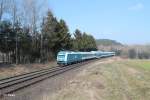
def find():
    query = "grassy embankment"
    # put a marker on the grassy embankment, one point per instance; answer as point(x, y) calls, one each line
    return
point(116, 80)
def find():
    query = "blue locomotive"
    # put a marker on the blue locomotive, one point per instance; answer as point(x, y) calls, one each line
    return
point(70, 57)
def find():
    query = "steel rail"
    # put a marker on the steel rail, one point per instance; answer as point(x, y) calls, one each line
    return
point(14, 78)
point(11, 77)
point(15, 83)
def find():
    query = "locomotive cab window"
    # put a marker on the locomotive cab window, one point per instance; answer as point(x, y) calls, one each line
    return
point(61, 56)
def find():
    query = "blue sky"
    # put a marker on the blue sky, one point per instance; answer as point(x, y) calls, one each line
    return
point(127, 21)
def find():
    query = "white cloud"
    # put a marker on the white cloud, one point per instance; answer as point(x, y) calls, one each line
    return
point(136, 7)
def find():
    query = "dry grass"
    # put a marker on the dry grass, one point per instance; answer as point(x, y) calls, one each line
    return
point(7, 70)
point(112, 80)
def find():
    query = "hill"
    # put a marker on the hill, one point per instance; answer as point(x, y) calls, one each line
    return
point(108, 42)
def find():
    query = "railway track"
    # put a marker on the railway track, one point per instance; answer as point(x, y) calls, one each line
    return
point(12, 84)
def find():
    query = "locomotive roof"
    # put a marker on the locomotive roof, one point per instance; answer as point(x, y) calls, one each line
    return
point(72, 52)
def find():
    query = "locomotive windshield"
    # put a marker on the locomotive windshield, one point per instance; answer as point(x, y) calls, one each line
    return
point(61, 56)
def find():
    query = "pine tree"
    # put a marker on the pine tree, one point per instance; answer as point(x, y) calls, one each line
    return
point(55, 35)
point(7, 39)
point(83, 41)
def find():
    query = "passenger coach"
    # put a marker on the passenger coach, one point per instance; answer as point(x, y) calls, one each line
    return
point(70, 57)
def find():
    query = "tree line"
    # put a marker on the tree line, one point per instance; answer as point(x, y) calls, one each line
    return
point(33, 34)
point(128, 51)
point(135, 54)
point(125, 51)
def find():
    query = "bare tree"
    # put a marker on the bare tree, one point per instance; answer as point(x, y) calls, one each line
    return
point(34, 10)
point(4, 7)
point(14, 13)
point(1, 8)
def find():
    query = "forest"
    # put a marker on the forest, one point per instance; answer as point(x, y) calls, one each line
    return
point(29, 32)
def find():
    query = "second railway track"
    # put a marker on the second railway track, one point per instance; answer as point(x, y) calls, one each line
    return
point(12, 84)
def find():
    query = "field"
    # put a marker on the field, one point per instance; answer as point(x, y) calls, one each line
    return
point(111, 80)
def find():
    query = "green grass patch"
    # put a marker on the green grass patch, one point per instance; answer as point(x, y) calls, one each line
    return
point(145, 64)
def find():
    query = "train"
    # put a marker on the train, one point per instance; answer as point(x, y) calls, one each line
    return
point(70, 57)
